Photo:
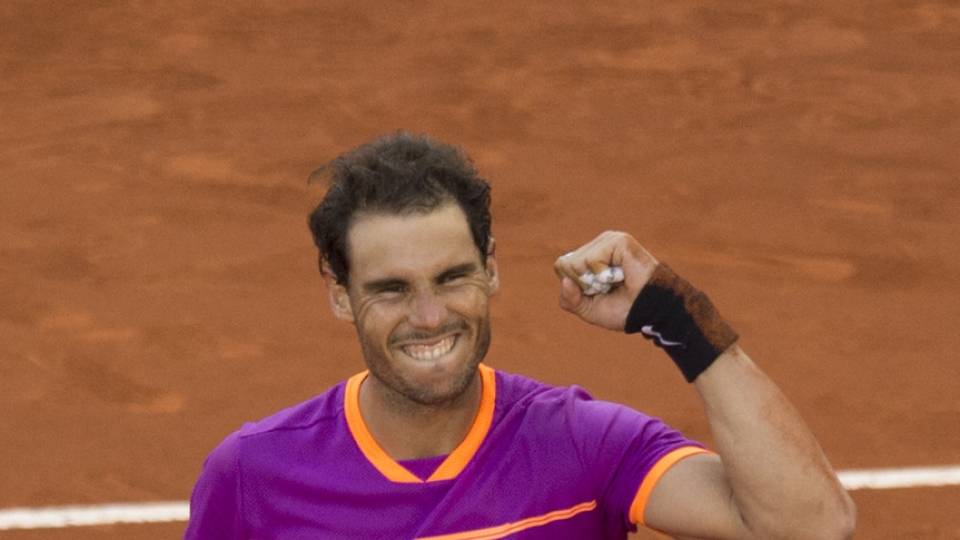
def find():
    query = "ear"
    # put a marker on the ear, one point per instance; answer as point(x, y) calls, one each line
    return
point(493, 275)
point(337, 294)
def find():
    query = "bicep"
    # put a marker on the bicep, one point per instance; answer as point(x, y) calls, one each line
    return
point(693, 499)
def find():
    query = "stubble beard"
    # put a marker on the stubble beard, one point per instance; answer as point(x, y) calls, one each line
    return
point(406, 395)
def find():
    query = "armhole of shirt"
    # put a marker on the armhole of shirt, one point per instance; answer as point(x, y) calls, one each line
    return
point(650, 481)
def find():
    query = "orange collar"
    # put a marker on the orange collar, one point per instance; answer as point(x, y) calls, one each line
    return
point(452, 465)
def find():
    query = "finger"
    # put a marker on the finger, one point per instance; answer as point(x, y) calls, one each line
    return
point(610, 274)
point(570, 295)
point(560, 263)
point(597, 262)
point(602, 282)
point(599, 253)
point(591, 291)
point(570, 265)
point(586, 280)
point(597, 288)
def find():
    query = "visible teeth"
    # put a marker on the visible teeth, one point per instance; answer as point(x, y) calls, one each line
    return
point(430, 352)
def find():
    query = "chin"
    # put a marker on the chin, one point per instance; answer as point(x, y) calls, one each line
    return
point(431, 382)
point(445, 384)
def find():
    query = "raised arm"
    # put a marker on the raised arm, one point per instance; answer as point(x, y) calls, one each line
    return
point(770, 478)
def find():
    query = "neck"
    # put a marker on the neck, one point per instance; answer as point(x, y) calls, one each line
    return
point(410, 430)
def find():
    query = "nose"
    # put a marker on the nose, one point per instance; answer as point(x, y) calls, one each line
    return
point(427, 310)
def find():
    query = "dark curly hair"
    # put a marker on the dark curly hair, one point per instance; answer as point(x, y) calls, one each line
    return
point(400, 173)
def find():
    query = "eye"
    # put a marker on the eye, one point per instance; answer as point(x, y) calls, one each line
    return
point(449, 278)
point(390, 288)
point(395, 288)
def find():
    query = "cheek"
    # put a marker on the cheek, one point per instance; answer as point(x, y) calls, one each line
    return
point(376, 319)
point(470, 299)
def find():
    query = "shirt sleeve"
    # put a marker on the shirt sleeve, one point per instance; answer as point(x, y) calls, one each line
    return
point(626, 453)
point(215, 505)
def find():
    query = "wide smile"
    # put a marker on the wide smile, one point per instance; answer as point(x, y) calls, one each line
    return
point(431, 350)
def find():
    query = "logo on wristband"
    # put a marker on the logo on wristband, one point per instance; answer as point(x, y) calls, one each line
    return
point(651, 333)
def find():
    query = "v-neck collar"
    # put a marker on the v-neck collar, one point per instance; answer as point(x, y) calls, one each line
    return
point(455, 462)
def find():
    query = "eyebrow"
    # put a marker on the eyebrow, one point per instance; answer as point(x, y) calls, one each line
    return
point(460, 269)
point(378, 285)
point(387, 283)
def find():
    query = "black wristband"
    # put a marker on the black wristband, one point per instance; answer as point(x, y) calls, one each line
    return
point(681, 320)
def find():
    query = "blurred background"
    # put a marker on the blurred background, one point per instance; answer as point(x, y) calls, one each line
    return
point(158, 284)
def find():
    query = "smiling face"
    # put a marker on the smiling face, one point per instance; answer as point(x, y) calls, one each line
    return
point(419, 297)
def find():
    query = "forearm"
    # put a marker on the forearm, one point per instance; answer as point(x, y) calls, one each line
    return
point(772, 480)
point(781, 482)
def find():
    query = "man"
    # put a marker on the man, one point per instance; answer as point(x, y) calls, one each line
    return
point(430, 443)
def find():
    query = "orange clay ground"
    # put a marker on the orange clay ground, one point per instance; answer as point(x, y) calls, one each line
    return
point(159, 285)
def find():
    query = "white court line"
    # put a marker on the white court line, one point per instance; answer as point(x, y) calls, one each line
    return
point(900, 478)
point(55, 517)
point(160, 512)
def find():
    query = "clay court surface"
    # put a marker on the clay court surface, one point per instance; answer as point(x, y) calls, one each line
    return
point(158, 284)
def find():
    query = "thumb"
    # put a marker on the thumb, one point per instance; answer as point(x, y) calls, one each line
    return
point(571, 297)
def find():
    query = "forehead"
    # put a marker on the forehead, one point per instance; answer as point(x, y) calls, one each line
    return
point(409, 246)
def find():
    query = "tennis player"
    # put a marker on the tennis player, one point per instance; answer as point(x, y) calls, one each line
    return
point(430, 442)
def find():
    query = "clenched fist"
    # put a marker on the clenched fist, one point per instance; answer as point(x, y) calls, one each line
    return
point(609, 249)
